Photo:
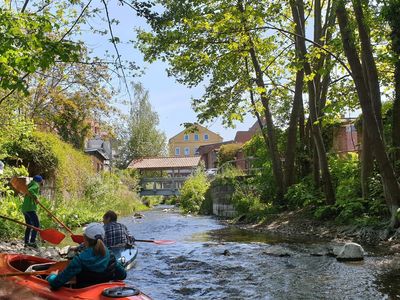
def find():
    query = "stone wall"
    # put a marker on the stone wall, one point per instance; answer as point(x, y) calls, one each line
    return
point(221, 195)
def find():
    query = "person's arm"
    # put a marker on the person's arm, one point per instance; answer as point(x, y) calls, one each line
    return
point(73, 268)
point(129, 237)
point(34, 191)
point(120, 272)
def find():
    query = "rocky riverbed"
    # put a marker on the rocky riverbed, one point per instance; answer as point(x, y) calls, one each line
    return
point(49, 252)
point(299, 224)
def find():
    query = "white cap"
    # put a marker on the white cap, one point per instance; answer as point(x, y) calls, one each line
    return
point(94, 231)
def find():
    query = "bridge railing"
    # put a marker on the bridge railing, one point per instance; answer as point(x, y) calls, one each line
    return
point(161, 185)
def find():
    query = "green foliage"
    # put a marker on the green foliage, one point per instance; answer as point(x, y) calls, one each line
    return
point(345, 171)
point(104, 192)
point(74, 168)
point(151, 201)
point(33, 152)
point(193, 192)
point(28, 44)
point(248, 204)
point(303, 194)
point(228, 175)
point(228, 153)
point(140, 138)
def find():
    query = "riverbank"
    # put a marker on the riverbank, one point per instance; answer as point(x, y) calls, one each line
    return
point(46, 251)
point(300, 223)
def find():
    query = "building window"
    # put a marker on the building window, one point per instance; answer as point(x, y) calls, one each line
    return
point(196, 151)
point(206, 137)
point(186, 137)
point(187, 151)
point(196, 136)
point(177, 151)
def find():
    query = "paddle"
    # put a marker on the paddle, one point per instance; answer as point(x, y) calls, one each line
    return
point(77, 238)
point(50, 235)
point(19, 185)
point(157, 242)
point(57, 266)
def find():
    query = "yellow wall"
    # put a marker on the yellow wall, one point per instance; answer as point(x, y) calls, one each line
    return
point(178, 141)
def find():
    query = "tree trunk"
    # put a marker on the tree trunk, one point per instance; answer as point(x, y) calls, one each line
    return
point(396, 113)
point(371, 122)
point(394, 20)
point(272, 140)
point(367, 162)
point(298, 16)
point(290, 154)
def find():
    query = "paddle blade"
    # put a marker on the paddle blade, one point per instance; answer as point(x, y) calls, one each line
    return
point(52, 236)
point(77, 238)
point(19, 184)
point(164, 242)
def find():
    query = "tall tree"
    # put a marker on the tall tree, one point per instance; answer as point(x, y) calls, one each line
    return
point(215, 42)
point(141, 138)
point(314, 97)
point(391, 13)
point(368, 93)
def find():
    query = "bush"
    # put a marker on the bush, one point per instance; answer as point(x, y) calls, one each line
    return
point(193, 192)
point(303, 194)
point(228, 153)
point(228, 175)
point(248, 204)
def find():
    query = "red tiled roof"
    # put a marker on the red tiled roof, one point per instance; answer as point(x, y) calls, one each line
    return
point(165, 162)
point(242, 137)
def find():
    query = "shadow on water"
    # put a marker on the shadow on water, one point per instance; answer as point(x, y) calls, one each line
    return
point(212, 261)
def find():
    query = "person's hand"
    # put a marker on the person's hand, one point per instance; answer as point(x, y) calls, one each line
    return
point(52, 276)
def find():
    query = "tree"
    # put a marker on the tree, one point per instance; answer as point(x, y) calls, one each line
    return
point(27, 45)
point(141, 138)
point(215, 41)
point(391, 13)
point(367, 86)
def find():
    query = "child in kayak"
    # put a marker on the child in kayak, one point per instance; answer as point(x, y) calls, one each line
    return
point(96, 264)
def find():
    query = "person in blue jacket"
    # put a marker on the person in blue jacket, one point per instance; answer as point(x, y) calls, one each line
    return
point(96, 264)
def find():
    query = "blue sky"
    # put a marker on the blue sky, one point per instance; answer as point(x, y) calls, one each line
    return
point(170, 99)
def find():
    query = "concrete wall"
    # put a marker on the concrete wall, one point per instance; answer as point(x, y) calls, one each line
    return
point(221, 195)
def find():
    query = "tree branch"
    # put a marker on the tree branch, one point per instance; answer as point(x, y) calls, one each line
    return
point(116, 49)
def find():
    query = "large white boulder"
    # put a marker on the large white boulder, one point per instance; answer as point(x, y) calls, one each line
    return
point(350, 252)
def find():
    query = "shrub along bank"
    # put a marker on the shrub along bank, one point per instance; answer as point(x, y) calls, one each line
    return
point(81, 195)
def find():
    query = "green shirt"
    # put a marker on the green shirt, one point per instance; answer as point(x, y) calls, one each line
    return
point(29, 203)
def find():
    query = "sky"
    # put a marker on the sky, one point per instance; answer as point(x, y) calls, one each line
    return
point(171, 100)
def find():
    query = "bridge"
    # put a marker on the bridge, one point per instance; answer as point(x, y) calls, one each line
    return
point(161, 186)
point(164, 176)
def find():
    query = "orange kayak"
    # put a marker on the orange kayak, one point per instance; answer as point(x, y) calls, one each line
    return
point(11, 263)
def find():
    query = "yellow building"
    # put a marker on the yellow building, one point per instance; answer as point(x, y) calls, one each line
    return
point(188, 143)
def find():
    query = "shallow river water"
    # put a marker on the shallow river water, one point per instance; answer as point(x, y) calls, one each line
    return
point(212, 261)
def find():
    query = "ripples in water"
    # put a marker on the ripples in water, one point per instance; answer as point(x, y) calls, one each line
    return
point(210, 261)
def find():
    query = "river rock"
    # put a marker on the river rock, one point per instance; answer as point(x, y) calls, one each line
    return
point(278, 252)
point(350, 252)
point(138, 215)
point(64, 251)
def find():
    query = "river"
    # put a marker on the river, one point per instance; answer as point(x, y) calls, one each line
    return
point(212, 261)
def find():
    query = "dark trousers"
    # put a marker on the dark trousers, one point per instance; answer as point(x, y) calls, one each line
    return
point(31, 218)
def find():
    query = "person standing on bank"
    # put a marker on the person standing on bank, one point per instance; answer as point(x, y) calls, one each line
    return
point(28, 208)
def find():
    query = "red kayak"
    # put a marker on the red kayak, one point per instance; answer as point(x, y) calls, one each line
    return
point(12, 263)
